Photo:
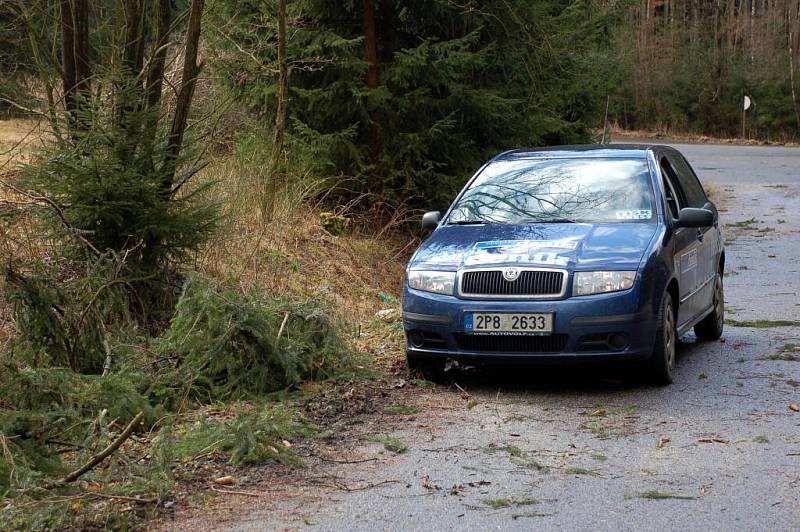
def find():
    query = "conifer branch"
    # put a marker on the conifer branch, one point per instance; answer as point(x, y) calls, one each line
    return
point(102, 455)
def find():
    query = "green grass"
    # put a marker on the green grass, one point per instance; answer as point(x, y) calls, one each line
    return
point(390, 443)
point(581, 471)
point(785, 353)
point(516, 417)
point(507, 502)
point(763, 324)
point(745, 224)
point(401, 410)
point(597, 429)
point(658, 495)
point(600, 457)
point(518, 457)
point(760, 439)
point(786, 357)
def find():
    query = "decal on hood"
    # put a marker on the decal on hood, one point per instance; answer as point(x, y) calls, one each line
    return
point(548, 252)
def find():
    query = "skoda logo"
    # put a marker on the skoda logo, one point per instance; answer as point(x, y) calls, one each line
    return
point(510, 274)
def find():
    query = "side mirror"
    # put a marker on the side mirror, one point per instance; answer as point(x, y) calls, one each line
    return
point(692, 217)
point(431, 219)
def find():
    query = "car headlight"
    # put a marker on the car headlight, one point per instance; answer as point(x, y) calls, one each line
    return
point(432, 281)
point(586, 283)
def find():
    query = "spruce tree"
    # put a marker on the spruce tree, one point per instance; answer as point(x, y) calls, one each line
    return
point(410, 96)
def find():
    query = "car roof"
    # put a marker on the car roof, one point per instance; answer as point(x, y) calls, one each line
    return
point(628, 151)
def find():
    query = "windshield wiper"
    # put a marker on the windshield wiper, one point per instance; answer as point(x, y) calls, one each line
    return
point(551, 221)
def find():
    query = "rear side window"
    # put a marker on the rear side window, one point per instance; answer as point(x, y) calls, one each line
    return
point(692, 189)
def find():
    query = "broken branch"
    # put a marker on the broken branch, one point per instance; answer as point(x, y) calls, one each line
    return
point(102, 455)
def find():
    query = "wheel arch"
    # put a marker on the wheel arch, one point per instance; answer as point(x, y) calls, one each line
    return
point(674, 290)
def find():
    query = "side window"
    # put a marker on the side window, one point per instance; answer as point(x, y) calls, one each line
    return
point(671, 190)
point(695, 196)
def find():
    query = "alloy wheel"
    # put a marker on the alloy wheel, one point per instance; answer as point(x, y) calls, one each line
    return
point(669, 336)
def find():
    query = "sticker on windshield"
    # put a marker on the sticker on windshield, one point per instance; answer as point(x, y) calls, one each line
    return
point(635, 214)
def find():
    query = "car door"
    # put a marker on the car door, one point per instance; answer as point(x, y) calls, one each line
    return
point(685, 244)
point(708, 237)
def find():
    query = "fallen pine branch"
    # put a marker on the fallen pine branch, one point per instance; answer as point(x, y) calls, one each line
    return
point(102, 455)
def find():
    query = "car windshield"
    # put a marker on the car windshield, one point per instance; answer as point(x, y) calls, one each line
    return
point(559, 190)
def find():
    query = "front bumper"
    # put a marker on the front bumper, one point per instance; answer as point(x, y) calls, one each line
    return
point(585, 328)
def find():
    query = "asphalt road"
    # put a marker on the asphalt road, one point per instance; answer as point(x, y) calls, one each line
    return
point(578, 449)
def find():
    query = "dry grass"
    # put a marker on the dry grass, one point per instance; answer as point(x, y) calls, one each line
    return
point(666, 134)
point(293, 254)
point(17, 138)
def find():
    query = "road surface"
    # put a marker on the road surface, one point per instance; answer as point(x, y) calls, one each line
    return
point(564, 449)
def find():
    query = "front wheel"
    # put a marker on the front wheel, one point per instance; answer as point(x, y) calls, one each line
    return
point(710, 327)
point(661, 367)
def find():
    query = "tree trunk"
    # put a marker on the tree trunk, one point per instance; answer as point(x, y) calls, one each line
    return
point(155, 73)
point(128, 93)
point(155, 78)
point(74, 57)
point(373, 81)
point(271, 186)
point(388, 32)
point(184, 101)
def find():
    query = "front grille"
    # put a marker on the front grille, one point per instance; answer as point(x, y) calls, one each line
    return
point(529, 283)
point(554, 343)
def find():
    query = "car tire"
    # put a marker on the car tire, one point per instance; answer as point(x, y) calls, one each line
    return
point(661, 367)
point(710, 327)
point(431, 369)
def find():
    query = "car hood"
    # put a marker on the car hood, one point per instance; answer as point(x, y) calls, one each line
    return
point(569, 245)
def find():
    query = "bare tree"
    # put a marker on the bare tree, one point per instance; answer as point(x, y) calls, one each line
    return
point(191, 69)
point(75, 71)
point(271, 187)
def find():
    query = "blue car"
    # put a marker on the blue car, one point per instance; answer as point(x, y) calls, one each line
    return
point(573, 253)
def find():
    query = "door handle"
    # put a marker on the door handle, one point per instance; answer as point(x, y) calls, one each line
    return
point(700, 235)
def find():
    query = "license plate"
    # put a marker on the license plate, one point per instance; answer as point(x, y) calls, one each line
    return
point(508, 323)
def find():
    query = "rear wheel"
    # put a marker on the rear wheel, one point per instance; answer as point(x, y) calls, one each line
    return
point(710, 328)
point(661, 367)
point(431, 369)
